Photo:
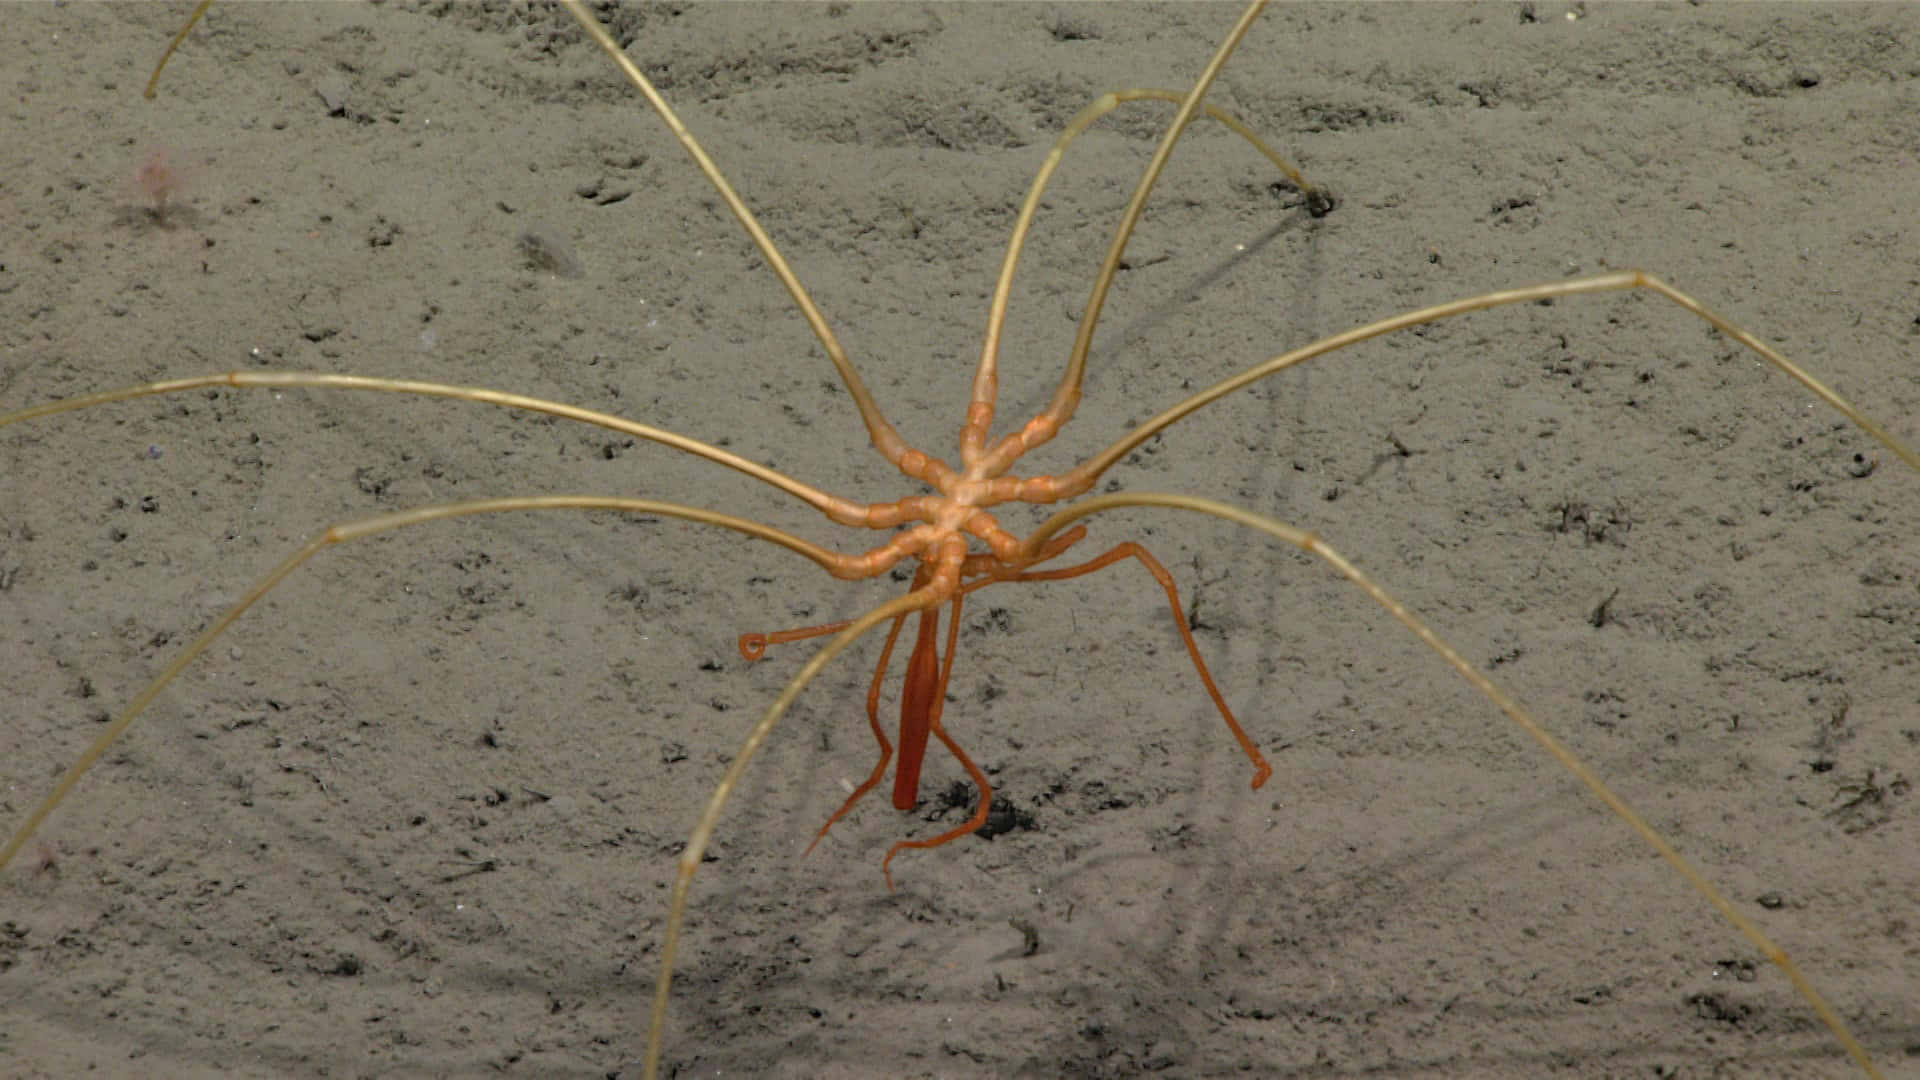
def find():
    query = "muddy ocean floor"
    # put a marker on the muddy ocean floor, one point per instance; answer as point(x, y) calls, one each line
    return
point(416, 814)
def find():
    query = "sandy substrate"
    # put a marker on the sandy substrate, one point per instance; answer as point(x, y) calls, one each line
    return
point(416, 814)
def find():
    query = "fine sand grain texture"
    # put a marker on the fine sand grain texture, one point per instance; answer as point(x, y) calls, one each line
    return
point(416, 814)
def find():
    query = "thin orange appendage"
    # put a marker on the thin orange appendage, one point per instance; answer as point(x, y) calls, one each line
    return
point(754, 646)
point(873, 720)
point(1261, 770)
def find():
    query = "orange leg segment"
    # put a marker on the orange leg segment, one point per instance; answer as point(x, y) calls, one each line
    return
point(880, 736)
point(1261, 770)
point(754, 646)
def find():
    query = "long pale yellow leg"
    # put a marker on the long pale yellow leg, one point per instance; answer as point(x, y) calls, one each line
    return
point(1082, 477)
point(1311, 543)
point(885, 438)
point(696, 848)
point(1066, 397)
point(883, 434)
point(354, 530)
point(843, 511)
point(153, 81)
point(986, 379)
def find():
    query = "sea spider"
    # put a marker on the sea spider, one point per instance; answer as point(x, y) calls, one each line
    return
point(1378, 708)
